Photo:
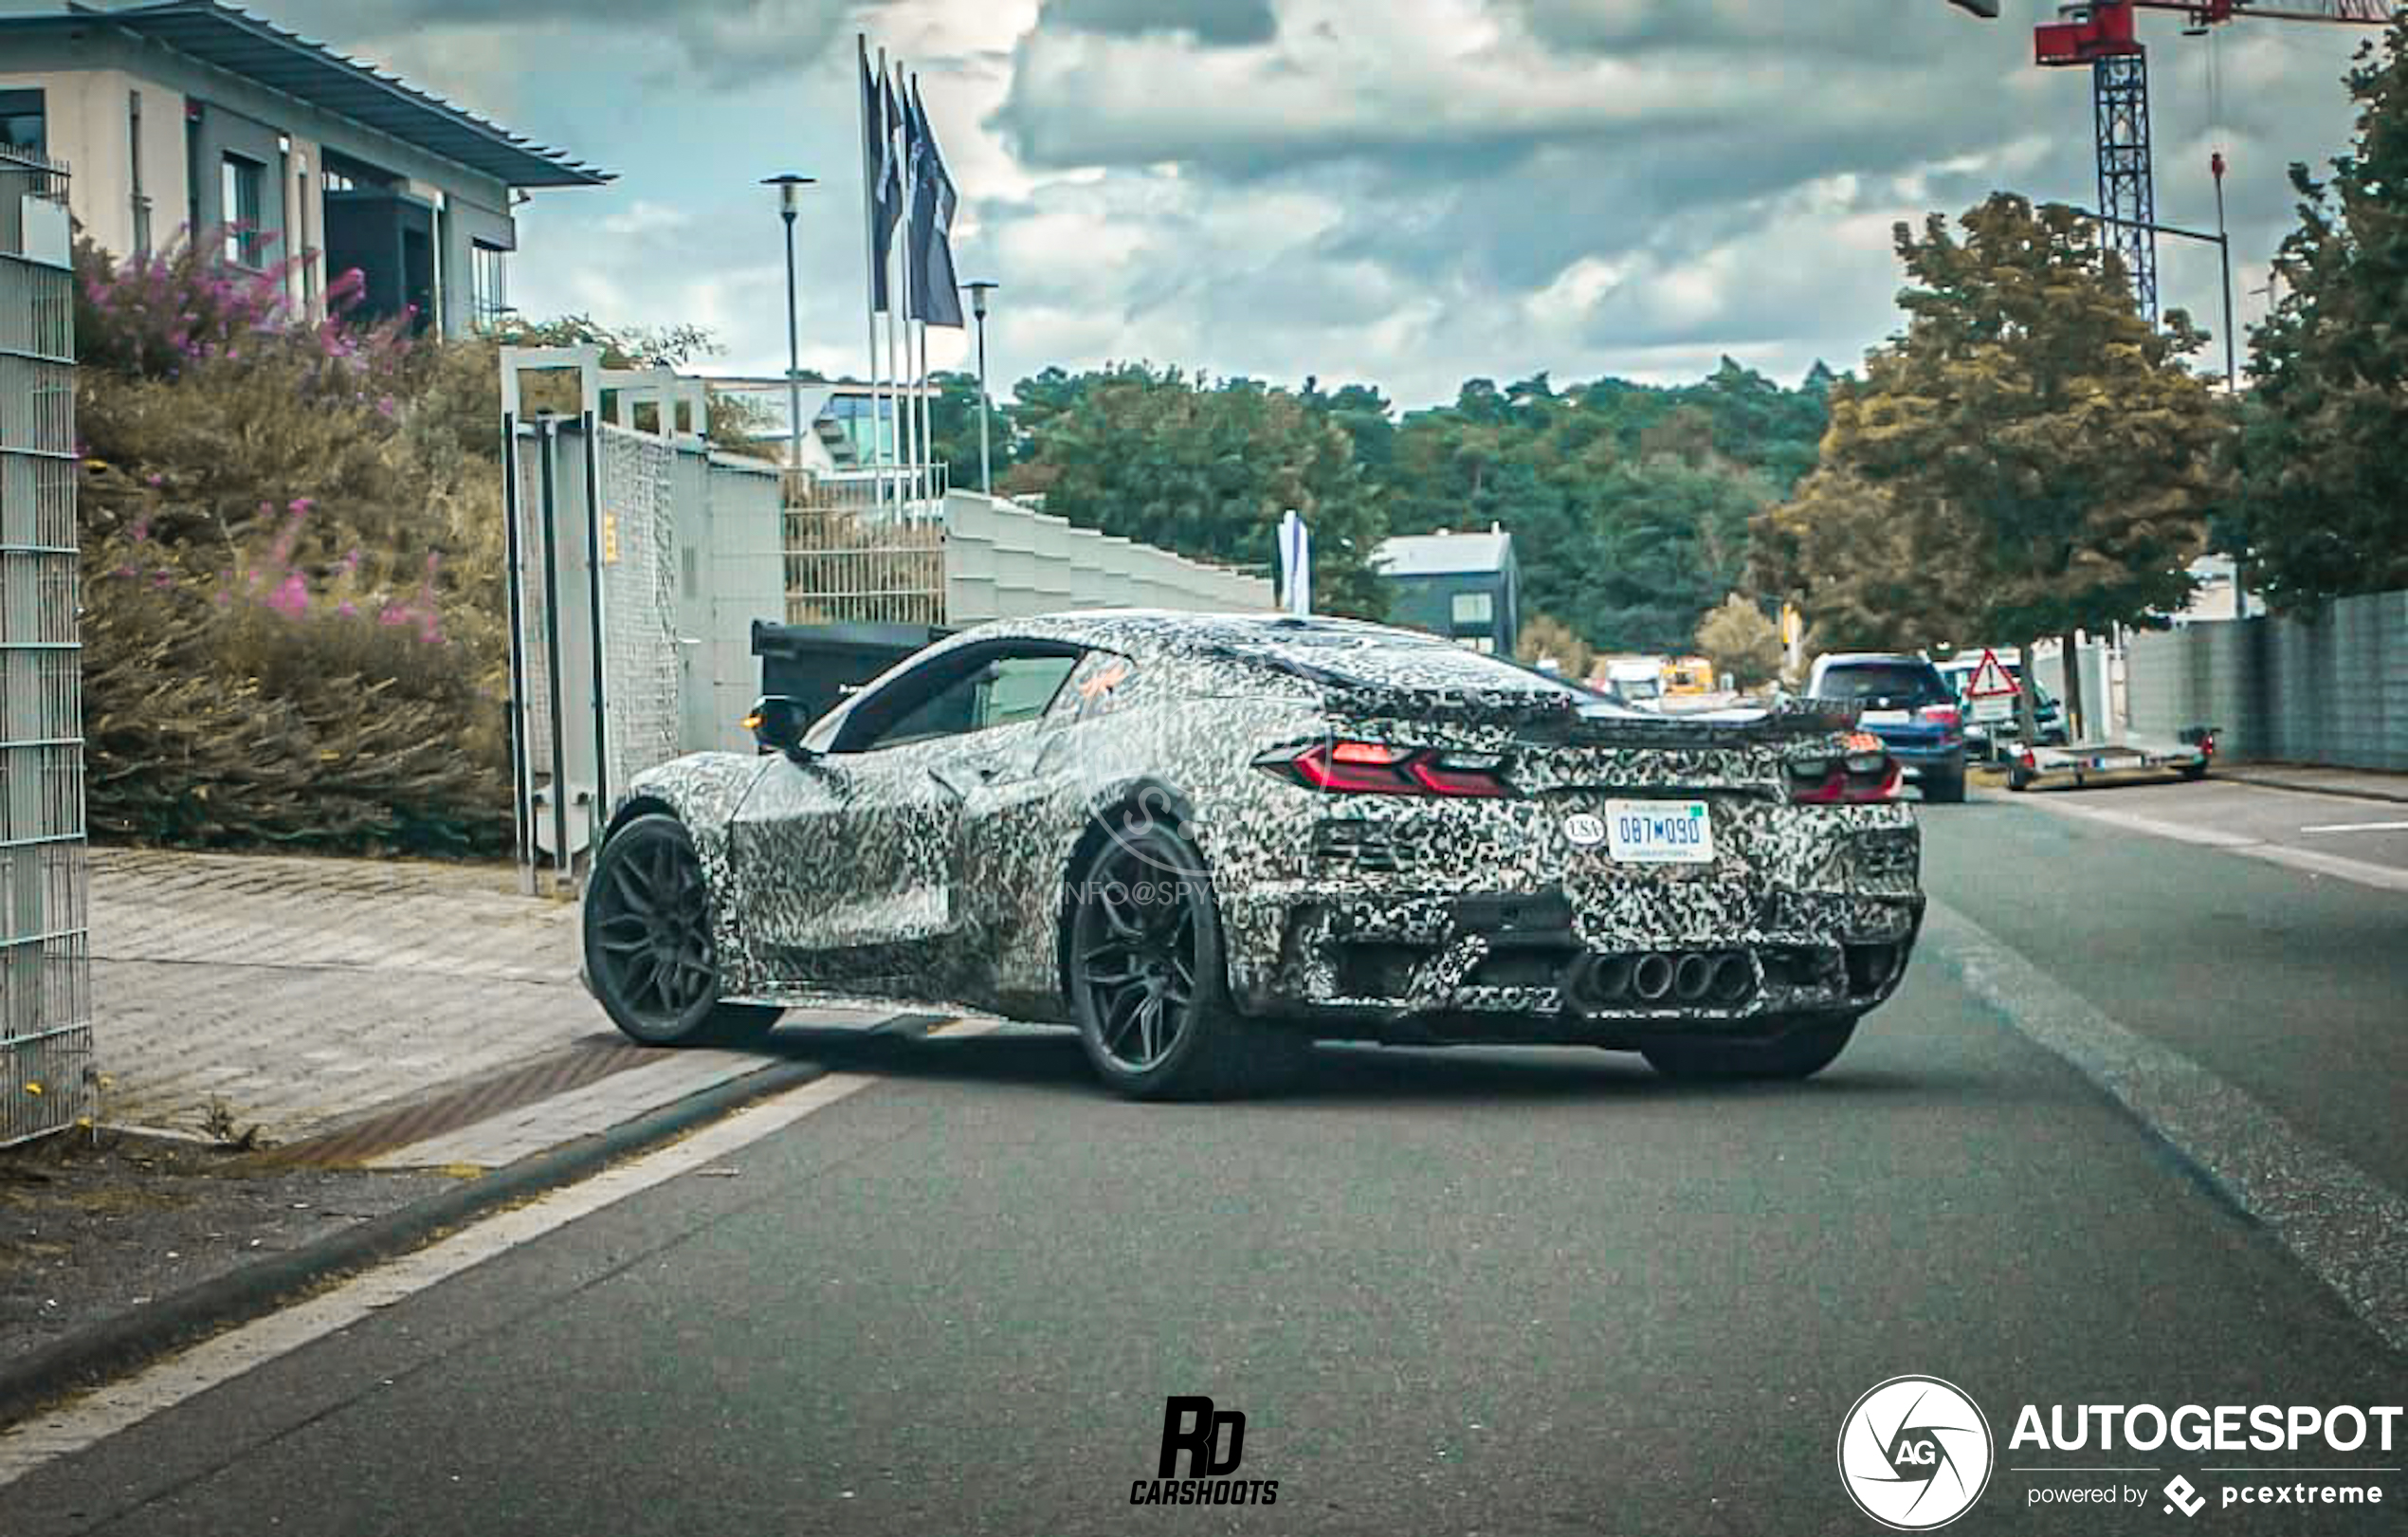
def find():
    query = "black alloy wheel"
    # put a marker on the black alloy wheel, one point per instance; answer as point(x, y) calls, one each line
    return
point(1145, 976)
point(648, 952)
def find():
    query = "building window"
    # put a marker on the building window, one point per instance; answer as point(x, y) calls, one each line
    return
point(1474, 609)
point(488, 285)
point(21, 122)
point(243, 205)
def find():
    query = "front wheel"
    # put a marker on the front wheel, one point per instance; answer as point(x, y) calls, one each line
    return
point(648, 953)
point(1801, 1054)
point(1146, 980)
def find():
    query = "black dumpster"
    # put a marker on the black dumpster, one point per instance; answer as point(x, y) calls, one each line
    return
point(819, 663)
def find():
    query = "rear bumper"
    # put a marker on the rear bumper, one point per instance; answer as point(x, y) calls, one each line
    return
point(1517, 967)
point(1923, 761)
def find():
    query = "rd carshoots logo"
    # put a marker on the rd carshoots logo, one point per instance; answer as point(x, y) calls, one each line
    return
point(1214, 1443)
point(1916, 1453)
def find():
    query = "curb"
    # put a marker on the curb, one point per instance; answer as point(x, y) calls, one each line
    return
point(116, 1347)
point(2277, 779)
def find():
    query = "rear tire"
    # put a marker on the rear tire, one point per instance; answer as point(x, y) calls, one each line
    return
point(1148, 980)
point(2196, 771)
point(648, 953)
point(1801, 1054)
point(1948, 789)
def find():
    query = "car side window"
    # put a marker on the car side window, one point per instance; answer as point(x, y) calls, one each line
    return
point(999, 691)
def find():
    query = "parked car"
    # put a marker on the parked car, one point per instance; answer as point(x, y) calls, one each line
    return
point(1635, 681)
point(1910, 706)
point(1987, 740)
point(1204, 841)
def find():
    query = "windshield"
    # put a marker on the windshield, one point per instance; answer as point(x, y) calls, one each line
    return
point(1863, 681)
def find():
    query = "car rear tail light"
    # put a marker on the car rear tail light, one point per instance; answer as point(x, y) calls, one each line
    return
point(1384, 769)
point(1939, 715)
point(1863, 771)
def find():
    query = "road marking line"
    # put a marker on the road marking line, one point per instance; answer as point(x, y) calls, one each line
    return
point(2355, 826)
point(2358, 871)
point(2343, 1225)
point(125, 1403)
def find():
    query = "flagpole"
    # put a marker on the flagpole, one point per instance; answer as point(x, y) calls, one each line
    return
point(890, 406)
point(906, 437)
point(870, 255)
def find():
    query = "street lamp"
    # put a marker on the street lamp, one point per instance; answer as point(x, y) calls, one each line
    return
point(790, 190)
point(979, 292)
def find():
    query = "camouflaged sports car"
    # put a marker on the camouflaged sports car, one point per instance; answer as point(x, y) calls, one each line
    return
point(1206, 840)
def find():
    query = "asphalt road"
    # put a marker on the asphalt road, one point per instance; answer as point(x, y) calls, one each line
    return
point(1470, 1293)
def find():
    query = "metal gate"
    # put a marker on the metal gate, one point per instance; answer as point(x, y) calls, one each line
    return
point(45, 992)
point(615, 560)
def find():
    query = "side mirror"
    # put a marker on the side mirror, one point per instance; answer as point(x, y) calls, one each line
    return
point(778, 724)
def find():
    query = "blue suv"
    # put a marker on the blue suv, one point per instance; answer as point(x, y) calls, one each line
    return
point(1906, 702)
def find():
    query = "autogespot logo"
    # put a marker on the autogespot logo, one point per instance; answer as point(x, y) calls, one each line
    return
point(1915, 1452)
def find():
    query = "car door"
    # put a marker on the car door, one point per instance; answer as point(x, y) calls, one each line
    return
point(849, 861)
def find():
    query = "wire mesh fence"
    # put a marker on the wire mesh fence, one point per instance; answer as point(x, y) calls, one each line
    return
point(853, 556)
point(47, 1073)
point(641, 662)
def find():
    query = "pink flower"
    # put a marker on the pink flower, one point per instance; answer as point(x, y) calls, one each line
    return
point(292, 598)
point(347, 609)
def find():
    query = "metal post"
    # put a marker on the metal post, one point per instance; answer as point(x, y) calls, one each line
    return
point(793, 359)
point(549, 466)
point(789, 188)
point(986, 464)
point(2224, 250)
point(521, 765)
point(979, 292)
point(598, 812)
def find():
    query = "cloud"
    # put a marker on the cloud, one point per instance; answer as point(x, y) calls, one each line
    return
point(723, 40)
point(1222, 23)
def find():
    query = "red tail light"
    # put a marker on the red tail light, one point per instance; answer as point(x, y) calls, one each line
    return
point(1938, 715)
point(1380, 769)
point(1863, 771)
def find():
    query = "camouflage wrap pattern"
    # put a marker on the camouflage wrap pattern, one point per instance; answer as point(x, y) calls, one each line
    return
point(940, 872)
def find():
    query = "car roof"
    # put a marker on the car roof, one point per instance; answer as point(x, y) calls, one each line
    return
point(1172, 629)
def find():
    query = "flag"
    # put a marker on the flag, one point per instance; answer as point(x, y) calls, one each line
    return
point(885, 204)
point(937, 295)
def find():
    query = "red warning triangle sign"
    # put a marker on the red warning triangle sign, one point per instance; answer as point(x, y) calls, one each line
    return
point(1991, 680)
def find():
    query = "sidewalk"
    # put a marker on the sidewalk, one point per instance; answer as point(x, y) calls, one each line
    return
point(2366, 784)
point(300, 996)
point(308, 1064)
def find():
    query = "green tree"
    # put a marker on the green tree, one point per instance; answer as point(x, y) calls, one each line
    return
point(1206, 469)
point(2325, 454)
point(2030, 422)
point(1740, 641)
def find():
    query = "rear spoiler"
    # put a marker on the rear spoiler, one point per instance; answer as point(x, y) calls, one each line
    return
point(1566, 720)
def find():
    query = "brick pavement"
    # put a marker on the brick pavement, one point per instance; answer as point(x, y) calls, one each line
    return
point(301, 993)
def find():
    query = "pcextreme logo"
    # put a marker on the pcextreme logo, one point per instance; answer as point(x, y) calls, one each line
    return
point(1915, 1452)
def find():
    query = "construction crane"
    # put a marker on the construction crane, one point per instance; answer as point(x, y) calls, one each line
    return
point(2105, 35)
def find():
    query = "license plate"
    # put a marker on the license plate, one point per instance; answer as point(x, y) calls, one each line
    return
point(1659, 831)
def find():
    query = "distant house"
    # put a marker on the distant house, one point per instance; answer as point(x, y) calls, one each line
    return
point(1463, 586)
point(190, 114)
point(848, 425)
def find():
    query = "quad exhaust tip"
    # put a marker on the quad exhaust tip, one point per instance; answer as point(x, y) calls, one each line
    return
point(1690, 977)
point(1652, 976)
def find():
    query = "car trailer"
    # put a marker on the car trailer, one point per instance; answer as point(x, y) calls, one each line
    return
point(2086, 762)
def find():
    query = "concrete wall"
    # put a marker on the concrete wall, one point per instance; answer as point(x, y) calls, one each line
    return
point(2332, 691)
point(1005, 561)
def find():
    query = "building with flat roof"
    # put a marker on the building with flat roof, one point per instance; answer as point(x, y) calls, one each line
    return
point(1466, 587)
point(179, 114)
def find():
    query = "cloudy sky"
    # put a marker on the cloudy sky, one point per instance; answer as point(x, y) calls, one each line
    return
point(1403, 191)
